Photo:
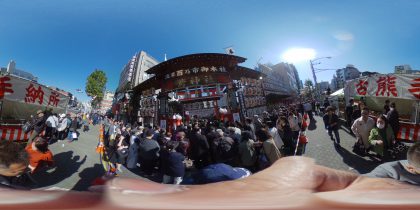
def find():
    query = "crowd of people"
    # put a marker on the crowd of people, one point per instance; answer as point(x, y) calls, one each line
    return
point(253, 145)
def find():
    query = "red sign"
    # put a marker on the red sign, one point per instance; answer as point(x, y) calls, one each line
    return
point(32, 94)
point(415, 88)
point(362, 87)
point(5, 86)
point(386, 84)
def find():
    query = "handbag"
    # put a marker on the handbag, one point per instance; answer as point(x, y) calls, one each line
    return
point(359, 148)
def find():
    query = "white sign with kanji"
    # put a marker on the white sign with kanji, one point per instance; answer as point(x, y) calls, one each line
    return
point(405, 86)
point(25, 91)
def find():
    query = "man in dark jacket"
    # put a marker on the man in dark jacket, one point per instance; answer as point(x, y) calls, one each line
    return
point(331, 124)
point(148, 152)
point(38, 126)
point(394, 119)
point(349, 113)
point(199, 148)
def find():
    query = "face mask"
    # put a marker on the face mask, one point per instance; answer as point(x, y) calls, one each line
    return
point(380, 126)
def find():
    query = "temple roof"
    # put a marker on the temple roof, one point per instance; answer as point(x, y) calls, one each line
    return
point(195, 60)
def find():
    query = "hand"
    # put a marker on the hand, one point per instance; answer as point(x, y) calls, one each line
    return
point(290, 183)
point(379, 142)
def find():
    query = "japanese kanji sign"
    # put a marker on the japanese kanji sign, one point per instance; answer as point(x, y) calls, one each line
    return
point(392, 86)
point(24, 91)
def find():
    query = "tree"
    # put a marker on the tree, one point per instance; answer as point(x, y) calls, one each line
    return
point(309, 87)
point(95, 86)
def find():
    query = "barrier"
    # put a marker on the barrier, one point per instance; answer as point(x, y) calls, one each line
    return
point(410, 132)
point(13, 133)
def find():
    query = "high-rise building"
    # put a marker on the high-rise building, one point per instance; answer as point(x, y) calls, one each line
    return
point(11, 69)
point(333, 85)
point(281, 79)
point(405, 69)
point(345, 74)
point(134, 72)
point(106, 103)
point(323, 86)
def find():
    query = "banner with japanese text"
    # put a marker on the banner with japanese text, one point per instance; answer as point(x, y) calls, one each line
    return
point(15, 89)
point(404, 86)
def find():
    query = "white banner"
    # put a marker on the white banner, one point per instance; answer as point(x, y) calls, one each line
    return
point(24, 91)
point(406, 86)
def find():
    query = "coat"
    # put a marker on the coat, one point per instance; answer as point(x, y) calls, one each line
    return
point(199, 147)
point(361, 129)
point(133, 153)
point(271, 151)
point(375, 135)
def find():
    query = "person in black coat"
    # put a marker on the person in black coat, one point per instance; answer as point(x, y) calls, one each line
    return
point(199, 148)
point(331, 124)
point(394, 119)
point(286, 135)
point(38, 126)
point(173, 167)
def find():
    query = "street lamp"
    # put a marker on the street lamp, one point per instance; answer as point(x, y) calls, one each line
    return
point(313, 71)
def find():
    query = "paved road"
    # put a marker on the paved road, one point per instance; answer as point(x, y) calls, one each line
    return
point(322, 149)
point(77, 163)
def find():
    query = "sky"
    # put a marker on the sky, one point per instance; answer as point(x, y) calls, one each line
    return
point(62, 42)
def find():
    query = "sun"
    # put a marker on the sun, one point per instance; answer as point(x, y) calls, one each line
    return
point(295, 55)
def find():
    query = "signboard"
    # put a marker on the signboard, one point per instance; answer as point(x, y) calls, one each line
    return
point(195, 80)
point(24, 91)
point(405, 86)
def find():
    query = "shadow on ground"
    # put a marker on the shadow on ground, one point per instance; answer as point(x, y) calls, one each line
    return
point(65, 166)
point(360, 164)
point(312, 125)
point(87, 176)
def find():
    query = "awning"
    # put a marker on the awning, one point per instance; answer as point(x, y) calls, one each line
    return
point(338, 92)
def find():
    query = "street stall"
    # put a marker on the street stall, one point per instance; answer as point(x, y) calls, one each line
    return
point(403, 89)
point(20, 99)
point(337, 100)
point(254, 98)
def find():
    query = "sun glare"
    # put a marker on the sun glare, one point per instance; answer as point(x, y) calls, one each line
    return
point(294, 55)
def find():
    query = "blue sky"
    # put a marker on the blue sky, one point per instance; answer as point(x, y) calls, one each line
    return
point(62, 42)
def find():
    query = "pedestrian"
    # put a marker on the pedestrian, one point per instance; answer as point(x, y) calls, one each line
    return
point(349, 113)
point(38, 126)
point(294, 120)
point(286, 135)
point(386, 107)
point(173, 167)
point(51, 129)
point(148, 153)
point(361, 128)
point(73, 129)
point(39, 154)
point(394, 119)
point(247, 153)
point(121, 151)
point(62, 126)
point(133, 150)
point(269, 148)
point(382, 138)
point(199, 148)
point(331, 123)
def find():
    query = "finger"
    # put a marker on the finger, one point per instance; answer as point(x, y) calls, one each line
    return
point(380, 193)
